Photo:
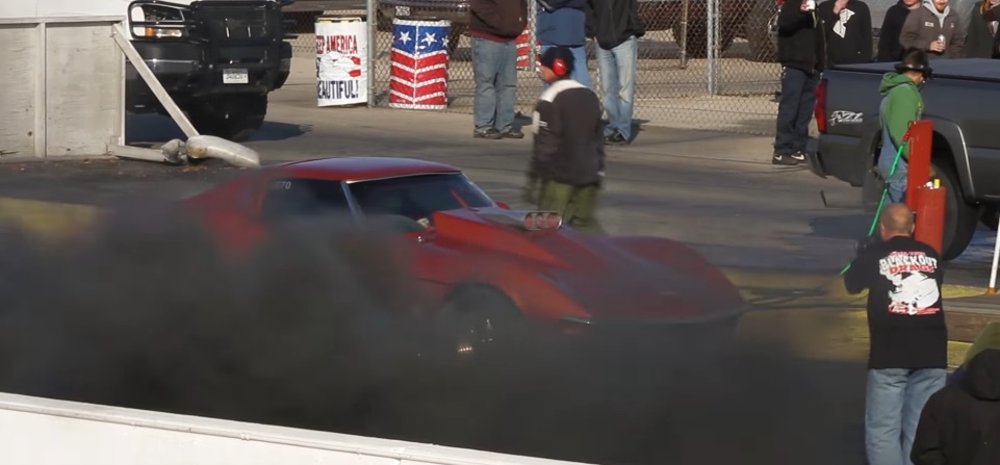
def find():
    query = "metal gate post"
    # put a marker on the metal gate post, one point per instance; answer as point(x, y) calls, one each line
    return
point(533, 27)
point(373, 49)
point(712, 47)
point(683, 39)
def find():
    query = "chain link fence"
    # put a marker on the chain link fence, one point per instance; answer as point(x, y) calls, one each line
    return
point(693, 72)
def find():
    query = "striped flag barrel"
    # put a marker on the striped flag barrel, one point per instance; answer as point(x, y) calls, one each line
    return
point(418, 77)
point(524, 50)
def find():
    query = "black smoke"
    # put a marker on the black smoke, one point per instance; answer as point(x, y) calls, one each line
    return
point(317, 328)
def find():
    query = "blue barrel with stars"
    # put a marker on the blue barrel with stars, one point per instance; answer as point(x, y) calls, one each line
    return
point(418, 77)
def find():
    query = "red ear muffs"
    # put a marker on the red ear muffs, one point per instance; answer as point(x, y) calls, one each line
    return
point(559, 67)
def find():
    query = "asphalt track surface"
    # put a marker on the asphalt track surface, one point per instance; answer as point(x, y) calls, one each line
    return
point(793, 393)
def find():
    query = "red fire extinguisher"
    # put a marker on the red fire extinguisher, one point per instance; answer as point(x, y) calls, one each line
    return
point(929, 210)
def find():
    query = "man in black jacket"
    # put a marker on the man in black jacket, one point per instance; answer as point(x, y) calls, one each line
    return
point(889, 48)
point(801, 54)
point(616, 26)
point(567, 166)
point(909, 340)
point(494, 26)
point(960, 425)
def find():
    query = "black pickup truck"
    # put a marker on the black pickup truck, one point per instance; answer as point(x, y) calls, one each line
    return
point(966, 144)
point(218, 60)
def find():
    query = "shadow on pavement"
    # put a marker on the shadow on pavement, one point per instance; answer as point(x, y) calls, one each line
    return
point(851, 226)
point(147, 129)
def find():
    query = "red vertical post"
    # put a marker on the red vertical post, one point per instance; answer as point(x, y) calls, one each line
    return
point(919, 136)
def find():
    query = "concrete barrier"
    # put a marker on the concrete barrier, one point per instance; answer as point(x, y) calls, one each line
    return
point(45, 431)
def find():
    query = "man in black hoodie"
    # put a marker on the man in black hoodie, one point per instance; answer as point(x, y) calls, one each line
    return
point(909, 339)
point(960, 424)
point(801, 53)
point(889, 48)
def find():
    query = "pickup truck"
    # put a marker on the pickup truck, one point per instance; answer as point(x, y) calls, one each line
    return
point(218, 60)
point(965, 148)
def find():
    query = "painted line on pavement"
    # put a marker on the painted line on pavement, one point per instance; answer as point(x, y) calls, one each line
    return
point(52, 220)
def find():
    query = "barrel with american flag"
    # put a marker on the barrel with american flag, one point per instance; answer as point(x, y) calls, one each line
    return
point(418, 77)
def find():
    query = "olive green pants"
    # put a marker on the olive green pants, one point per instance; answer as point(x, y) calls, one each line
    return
point(576, 205)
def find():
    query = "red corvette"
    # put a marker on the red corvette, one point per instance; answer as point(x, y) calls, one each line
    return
point(475, 256)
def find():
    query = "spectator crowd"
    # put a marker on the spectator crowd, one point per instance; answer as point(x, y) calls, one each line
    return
point(812, 38)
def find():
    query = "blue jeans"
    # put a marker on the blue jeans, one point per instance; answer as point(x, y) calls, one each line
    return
point(580, 73)
point(618, 70)
point(897, 181)
point(894, 399)
point(494, 66)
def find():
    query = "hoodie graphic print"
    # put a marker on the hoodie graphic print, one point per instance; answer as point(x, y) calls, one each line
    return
point(848, 32)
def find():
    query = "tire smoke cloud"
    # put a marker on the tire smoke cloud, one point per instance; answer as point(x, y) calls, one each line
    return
point(317, 329)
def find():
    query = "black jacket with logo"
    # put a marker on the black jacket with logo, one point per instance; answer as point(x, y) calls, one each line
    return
point(611, 22)
point(905, 314)
point(800, 39)
point(569, 138)
point(960, 424)
point(848, 33)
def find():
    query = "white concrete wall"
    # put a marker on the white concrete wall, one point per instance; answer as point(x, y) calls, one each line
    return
point(61, 8)
point(51, 432)
point(63, 84)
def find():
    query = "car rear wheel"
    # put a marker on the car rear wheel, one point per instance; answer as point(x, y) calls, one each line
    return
point(485, 319)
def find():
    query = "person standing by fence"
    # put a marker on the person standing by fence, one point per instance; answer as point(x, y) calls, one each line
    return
point(562, 23)
point(494, 26)
point(616, 26)
point(801, 54)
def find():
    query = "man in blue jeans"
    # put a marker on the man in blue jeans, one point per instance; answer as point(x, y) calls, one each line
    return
point(909, 340)
point(494, 26)
point(562, 23)
point(616, 27)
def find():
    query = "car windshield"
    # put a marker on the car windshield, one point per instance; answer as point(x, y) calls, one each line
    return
point(417, 197)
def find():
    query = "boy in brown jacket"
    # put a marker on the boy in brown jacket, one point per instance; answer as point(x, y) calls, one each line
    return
point(925, 27)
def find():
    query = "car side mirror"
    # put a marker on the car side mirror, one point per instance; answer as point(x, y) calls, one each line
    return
point(503, 205)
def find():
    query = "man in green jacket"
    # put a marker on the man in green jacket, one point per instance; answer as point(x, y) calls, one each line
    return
point(901, 105)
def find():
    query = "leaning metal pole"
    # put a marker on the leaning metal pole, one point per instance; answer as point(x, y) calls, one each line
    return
point(682, 41)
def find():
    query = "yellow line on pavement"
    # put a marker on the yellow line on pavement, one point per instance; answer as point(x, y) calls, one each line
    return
point(46, 219)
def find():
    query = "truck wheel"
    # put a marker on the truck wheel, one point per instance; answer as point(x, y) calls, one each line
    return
point(961, 218)
point(762, 16)
point(234, 117)
point(697, 39)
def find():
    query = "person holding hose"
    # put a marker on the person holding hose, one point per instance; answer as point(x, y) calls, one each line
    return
point(901, 104)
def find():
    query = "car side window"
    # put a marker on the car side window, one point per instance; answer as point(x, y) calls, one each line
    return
point(299, 198)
